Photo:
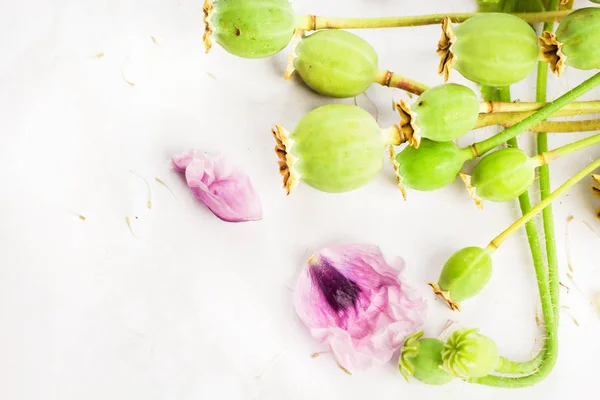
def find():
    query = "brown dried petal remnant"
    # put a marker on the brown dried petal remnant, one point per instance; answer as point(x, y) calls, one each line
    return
point(447, 57)
point(286, 159)
point(552, 52)
point(409, 131)
point(397, 171)
point(454, 305)
point(209, 10)
point(471, 189)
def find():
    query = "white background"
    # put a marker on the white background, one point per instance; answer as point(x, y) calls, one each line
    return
point(195, 308)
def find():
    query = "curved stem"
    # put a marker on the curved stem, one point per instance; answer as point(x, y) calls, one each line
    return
point(391, 79)
point(492, 107)
point(313, 22)
point(539, 116)
point(508, 366)
point(551, 324)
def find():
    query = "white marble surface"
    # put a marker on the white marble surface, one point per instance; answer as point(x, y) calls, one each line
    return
point(194, 308)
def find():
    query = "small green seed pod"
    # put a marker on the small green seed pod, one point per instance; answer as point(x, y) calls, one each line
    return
point(492, 49)
point(503, 175)
point(432, 166)
point(336, 63)
point(469, 354)
point(464, 275)
point(422, 358)
point(442, 113)
point(249, 28)
point(334, 148)
point(576, 42)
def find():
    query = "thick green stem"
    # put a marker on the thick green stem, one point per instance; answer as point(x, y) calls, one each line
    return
point(509, 133)
point(512, 367)
point(313, 22)
point(551, 353)
point(391, 79)
point(544, 182)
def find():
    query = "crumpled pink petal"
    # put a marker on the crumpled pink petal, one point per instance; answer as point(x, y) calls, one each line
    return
point(352, 299)
point(225, 189)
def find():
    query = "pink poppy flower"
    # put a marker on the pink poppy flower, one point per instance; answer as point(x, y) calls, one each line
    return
point(225, 189)
point(349, 297)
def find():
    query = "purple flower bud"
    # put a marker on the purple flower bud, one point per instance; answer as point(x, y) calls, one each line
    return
point(225, 189)
point(352, 299)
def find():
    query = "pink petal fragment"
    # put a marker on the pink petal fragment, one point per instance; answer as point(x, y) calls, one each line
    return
point(349, 297)
point(225, 189)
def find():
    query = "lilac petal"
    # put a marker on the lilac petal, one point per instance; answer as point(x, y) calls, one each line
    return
point(226, 190)
point(352, 299)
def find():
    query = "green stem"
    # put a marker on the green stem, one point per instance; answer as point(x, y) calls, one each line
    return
point(546, 299)
point(549, 156)
point(512, 367)
point(544, 182)
point(514, 117)
point(509, 133)
point(544, 126)
point(583, 107)
point(391, 79)
point(313, 22)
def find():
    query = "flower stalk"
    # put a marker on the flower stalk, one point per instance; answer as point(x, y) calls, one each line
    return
point(314, 22)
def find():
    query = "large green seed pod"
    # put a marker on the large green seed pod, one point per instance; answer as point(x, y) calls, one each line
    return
point(469, 354)
point(503, 175)
point(336, 63)
point(432, 166)
point(249, 28)
point(464, 275)
point(334, 148)
point(442, 113)
point(576, 42)
point(422, 358)
point(492, 49)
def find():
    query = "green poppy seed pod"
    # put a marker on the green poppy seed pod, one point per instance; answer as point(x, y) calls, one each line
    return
point(502, 175)
point(334, 148)
point(249, 28)
point(464, 275)
point(432, 166)
point(576, 42)
point(469, 354)
point(422, 358)
point(442, 113)
point(336, 63)
point(492, 49)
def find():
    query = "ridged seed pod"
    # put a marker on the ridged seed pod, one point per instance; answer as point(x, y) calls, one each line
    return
point(249, 28)
point(469, 354)
point(492, 49)
point(576, 42)
point(336, 63)
point(334, 148)
point(422, 359)
point(442, 113)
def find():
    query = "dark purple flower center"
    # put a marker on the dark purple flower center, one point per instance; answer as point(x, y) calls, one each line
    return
point(340, 292)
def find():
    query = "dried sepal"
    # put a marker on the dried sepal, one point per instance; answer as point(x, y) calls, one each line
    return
point(409, 130)
point(444, 50)
point(471, 190)
point(286, 160)
point(445, 295)
point(396, 166)
point(552, 52)
point(209, 10)
point(289, 69)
